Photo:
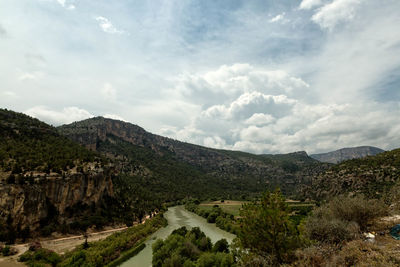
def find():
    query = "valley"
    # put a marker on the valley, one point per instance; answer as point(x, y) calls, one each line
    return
point(100, 174)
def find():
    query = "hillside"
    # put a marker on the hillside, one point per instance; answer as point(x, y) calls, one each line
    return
point(347, 153)
point(181, 169)
point(46, 180)
point(372, 176)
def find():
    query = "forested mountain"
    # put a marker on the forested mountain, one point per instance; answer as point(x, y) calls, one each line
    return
point(347, 153)
point(178, 169)
point(46, 180)
point(372, 176)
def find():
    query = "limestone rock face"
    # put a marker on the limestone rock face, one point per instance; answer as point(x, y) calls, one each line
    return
point(288, 171)
point(347, 153)
point(29, 204)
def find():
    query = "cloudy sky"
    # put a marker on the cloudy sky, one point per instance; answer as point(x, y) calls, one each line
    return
point(268, 76)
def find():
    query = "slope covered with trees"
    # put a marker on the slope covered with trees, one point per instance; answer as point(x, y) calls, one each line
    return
point(47, 182)
point(181, 169)
point(372, 176)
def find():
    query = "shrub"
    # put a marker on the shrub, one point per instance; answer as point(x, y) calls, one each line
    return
point(221, 246)
point(358, 209)
point(324, 227)
point(343, 218)
point(364, 254)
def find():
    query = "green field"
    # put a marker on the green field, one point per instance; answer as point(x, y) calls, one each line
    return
point(228, 206)
point(233, 206)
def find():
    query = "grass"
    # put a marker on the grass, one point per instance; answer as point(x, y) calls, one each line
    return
point(229, 206)
point(233, 206)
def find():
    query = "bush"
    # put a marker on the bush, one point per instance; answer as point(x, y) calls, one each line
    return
point(343, 218)
point(40, 257)
point(324, 227)
point(6, 251)
point(358, 209)
point(221, 246)
point(363, 254)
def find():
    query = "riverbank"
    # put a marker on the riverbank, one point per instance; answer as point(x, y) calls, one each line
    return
point(123, 239)
point(177, 217)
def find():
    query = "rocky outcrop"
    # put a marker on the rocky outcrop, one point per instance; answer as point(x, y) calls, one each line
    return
point(247, 171)
point(49, 197)
point(347, 153)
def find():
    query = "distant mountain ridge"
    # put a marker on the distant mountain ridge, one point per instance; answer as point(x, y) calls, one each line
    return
point(347, 153)
point(227, 171)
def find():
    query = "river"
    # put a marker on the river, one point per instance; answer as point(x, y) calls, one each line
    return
point(177, 217)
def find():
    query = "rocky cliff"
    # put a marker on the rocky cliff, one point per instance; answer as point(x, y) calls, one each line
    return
point(233, 170)
point(53, 197)
point(347, 153)
point(46, 178)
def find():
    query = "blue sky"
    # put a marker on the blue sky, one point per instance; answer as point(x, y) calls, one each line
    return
point(259, 76)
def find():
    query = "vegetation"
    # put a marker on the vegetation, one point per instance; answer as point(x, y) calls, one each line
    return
point(29, 145)
point(191, 248)
point(343, 219)
point(228, 206)
point(175, 170)
point(107, 252)
point(41, 257)
point(216, 215)
point(266, 229)
point(373, 176)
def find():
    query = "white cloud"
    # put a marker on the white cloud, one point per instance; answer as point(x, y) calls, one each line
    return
point(64, 4)
point(27, 76)
point(331, 14)
point(277, 18)
point(309, 4)
point(61, 2)
point(227, 83)
point(251, 120)
point(54, 117)
point(107, 26)
point(260, 119)
point(114, 117)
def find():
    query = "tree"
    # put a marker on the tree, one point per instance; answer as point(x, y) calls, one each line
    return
point(266, 228)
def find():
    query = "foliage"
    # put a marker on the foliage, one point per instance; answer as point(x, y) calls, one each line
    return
point(30, 145)
point(216, 215)
point(373, 176)
point(266, 228)
point(40, 257)
point(104, 252)
point(191, 248)
point(343, 218)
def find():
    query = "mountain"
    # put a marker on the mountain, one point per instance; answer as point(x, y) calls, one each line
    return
point(175, 169)
point(372, 176)
point(46, 180)
point(347, 153)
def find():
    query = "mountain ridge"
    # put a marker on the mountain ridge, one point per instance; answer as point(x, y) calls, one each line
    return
point(241, 169)
point(347, 153)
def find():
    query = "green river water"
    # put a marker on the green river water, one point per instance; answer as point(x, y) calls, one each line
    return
point(177, 217)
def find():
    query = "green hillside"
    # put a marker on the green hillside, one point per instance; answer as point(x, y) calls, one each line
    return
point(178, 169)
point(29, 145)
point(372, 176)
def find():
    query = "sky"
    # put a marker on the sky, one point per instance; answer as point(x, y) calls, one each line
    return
point(268, 76)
